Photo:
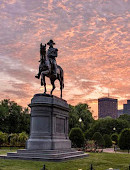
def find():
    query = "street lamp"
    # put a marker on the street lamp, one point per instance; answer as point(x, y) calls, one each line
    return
point(114, 144)
point(80, 120)
point(114, 129)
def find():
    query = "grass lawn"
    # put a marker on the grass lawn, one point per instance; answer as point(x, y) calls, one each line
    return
point(100, 161)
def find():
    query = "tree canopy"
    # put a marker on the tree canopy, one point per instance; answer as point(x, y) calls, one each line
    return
point(80, 111)
point(125, 117)
point(124, 139)
point(13, 118)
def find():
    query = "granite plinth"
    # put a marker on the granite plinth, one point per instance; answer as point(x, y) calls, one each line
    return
point(49, 123)
point(48, 131)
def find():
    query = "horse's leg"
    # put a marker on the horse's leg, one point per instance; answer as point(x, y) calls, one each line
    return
point(53, 85)
point(44, 83)
point(61, 88)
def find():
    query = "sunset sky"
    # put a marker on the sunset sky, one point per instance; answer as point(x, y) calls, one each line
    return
point(92, 37)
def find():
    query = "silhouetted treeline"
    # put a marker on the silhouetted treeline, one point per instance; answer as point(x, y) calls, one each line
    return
point(13, 118)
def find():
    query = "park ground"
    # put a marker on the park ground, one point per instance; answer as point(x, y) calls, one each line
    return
point(100, 161)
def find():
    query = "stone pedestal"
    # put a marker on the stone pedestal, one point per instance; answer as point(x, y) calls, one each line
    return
point(49, 123)
point(48, 132)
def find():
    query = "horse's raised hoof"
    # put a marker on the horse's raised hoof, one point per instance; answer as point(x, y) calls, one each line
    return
point(37, 76)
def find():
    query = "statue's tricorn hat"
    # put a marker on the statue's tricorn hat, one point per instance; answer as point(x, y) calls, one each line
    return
point(50, 42)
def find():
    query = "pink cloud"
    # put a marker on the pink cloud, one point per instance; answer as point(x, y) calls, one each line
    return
point(92, 38)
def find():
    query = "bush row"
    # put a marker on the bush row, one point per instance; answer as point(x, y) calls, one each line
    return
point(13, 139)
point(80, 139)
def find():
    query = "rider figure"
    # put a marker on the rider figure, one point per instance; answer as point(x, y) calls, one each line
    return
point(52, 54)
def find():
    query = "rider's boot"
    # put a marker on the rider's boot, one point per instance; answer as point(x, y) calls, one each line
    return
point(37, 76)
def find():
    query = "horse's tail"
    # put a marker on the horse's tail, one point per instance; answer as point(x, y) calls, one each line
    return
point(61, 76)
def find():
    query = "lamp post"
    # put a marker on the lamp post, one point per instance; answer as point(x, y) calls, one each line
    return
point(114, 129)
point(80, 120)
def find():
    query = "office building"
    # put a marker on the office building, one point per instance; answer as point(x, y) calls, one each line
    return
point(120, 112)
point(107, 107)
point(126, 108)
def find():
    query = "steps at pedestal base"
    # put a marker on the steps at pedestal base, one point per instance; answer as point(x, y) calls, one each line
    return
point(45, 155)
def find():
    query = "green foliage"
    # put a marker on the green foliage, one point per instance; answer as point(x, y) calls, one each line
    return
point(124, 139)
point(80, 111)
point(114, 137)
point(13, 139)
point(125, 117)
point(22, 138)
point(89, 134)
point(108, 141)
point(90, 144)
point(13, 118)
point(97, 137)
point(3, 138)
point(106, 125)
point(76, 136)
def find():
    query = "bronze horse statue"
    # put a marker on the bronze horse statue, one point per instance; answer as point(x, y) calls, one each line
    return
point(45, 70)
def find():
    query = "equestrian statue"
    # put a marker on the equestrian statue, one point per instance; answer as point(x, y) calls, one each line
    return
point(49, 68)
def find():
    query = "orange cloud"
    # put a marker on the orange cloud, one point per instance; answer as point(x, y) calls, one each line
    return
point(92, 39)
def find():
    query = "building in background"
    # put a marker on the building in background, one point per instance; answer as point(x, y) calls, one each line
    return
point(107, 107)
point(126, 107)
point(120, 112)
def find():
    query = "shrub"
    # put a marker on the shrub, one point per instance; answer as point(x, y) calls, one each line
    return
point(3, 138)
point(77, 138)
point(97, 137)
point(13, 139)
point(108, 141)
point(124, 139)
point(88, 134)
point(90, 144)
point(22, 138)
point(114, 137)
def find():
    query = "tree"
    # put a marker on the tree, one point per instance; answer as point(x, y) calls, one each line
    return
point(125, 117)
point(89, 134)
point(97, 137)
point(124, 139)
point(106, 125)
point(13, 118)
point(114, 137)
point(108, 141)
point(73, 118)
point(80, 111)
point(76, 136)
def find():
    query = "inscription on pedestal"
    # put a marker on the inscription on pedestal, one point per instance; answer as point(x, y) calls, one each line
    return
point(41, 124)
point(60, 125)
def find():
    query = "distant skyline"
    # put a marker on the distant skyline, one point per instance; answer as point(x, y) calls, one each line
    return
point(92, 37)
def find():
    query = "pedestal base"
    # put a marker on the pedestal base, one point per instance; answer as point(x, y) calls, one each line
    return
point(48, 132)
point(46, 155)
point(48, 144)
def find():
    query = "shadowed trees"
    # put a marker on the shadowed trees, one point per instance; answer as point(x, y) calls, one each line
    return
point(80, 111)
point(13, 118)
